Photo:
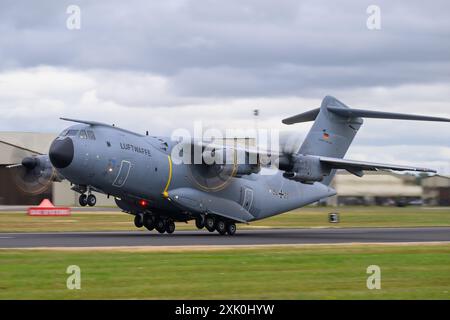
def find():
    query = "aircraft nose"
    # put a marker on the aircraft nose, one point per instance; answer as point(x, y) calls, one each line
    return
point(61, 153)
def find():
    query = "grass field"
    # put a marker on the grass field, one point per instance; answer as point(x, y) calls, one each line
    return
point(311, 272)
point(306, 217)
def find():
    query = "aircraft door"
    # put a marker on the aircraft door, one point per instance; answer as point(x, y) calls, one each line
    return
point(247, 198)
point(123, 174)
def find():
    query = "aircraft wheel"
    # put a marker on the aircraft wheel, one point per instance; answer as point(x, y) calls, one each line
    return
point(139, 220)
point(83, 200)
point(148, 222)
point(210, 224)
point(200, 222)
point(160, 226)
point(221, 227)
point(231, 228)
point(91, 200)
point(170, 226)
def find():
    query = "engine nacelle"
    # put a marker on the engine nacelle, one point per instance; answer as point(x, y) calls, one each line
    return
point(246, 169)
point(40, 167)
point(34, 174)
point(306, 169)
point(239, 162)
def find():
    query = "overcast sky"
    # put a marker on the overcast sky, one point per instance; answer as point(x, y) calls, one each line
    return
point(160, 65)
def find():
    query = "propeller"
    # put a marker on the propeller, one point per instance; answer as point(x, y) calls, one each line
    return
point(216, 177)
point(33, 175)
point(289, 145)
point(213, 177)
point(290, 142)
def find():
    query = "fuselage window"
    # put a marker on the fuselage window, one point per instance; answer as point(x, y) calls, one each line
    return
point(83, 134)
point(72, 133)
point(90, 135)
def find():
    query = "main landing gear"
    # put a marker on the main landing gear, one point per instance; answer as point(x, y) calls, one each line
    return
point(89, 200)
point(151, 222)
point(167, 225)
point(212, 223)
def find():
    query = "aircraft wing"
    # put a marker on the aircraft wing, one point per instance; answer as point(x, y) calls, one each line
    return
point(356, 167)
point(248, 149)
point(254, 152)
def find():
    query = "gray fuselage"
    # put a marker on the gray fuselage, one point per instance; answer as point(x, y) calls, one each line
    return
point(133, 167)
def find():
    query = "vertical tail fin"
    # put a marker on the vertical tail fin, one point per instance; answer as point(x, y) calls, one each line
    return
point(331, 134)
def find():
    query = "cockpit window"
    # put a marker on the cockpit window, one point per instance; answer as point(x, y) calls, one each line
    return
point(83, 134)
point(72, 133)
point(90, 135)
point(63, 134)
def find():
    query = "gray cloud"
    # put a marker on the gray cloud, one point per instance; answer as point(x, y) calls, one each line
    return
point(286, 48)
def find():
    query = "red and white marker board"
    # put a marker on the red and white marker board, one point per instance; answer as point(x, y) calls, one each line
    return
point(46, 208)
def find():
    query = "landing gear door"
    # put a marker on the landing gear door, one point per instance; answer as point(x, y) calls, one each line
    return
point(247, 198)
point(122, 176)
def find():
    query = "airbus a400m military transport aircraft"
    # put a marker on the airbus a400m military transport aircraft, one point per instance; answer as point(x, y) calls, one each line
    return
point(138, 171)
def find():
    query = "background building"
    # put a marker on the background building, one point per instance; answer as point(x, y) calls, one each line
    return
point(374, 188)
point(436, 191)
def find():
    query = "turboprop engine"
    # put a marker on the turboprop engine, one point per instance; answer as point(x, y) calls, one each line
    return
point(238, 162)
point(305, 169)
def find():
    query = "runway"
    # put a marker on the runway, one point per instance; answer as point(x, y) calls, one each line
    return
point(242, 237)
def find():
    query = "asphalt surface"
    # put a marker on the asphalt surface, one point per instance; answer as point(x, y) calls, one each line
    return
point(242, 237)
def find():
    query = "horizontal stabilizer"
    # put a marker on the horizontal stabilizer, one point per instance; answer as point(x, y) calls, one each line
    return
point(354, 113)
point(303, 117)
point(335, 107)
point(357, 166)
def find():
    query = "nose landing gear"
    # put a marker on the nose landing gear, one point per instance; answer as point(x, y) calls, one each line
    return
point(83, 200)
point(89, 200)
